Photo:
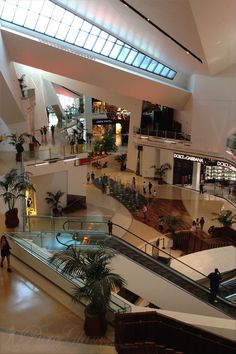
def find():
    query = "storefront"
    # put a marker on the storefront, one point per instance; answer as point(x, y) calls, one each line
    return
point(191, 170)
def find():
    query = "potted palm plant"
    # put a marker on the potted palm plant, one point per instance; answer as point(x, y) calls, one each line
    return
point(225, 217)
point(18, 141)
point(53, 199)
point(13, 186)
point(92, 267)
point(160, 172)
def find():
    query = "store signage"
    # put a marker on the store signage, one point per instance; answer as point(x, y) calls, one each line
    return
point(190, 158)
point(226, 165)
point(103, 121)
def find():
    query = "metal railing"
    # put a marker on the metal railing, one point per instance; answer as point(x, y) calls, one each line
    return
point(166, 134)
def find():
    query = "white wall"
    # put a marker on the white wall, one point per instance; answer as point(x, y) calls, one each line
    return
point(49, 183)
point(60, 175)
point(150, 157)
point(212, 111)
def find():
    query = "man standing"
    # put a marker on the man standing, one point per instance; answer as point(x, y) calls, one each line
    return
point(150, 187)
point(109, 224)
point(215, 278)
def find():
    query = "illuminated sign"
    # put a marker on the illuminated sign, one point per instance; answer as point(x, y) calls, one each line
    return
point(189, 158)
point(226, 165)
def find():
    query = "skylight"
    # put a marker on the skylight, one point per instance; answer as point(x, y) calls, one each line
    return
point(45, 17)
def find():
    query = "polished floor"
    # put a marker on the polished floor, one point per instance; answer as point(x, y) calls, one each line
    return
point(27, 312)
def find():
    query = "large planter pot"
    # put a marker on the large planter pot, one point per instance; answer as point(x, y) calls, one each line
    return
point(11, 218)
point(95, 326)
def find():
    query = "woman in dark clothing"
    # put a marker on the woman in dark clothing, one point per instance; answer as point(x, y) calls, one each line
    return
point(5, 252)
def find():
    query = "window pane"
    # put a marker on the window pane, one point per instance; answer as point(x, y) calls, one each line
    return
point(119, 42)
point(171, 74)
point(145, 63)
point(42, 24)
point(138, 60)
point(20, 16)
point(165, 71)
point(52, 28)
point(58, 13)
point(77, 23)
point(62, 31)
point(111, 38)
point(25, 3)
point(90, 41)
point(131, 56)
point(123, 54)
point(8, 12)
point(104, 35)
point(96, 31)
point(80, 40)
point(67, 18)
point(99, 45)
point(115, 51)
point(86, 26)
point(47, 8)
point(107, 48)
point(159, 68)
point(31, 20)
point(152, 65)
point(71, 36)
point(36, 6)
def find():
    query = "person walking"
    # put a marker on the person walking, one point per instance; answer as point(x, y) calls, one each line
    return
point(202, 222)
point(144, 187)
point(154, 194)
point(41, 132)
point(144, 210)
point(5, 252)
point(197, 224)
point(110, 225)
point(92, 176)
point(150, 187)
point(215, 278)
point(53, 131)
point(88, 177)
point(201, 187)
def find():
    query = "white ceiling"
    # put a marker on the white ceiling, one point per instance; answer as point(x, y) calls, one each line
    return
point(206, 27)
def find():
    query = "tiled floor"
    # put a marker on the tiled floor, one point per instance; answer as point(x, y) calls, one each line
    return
point(28, 310)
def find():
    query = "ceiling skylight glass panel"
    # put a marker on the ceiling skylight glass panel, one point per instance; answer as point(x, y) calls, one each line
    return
point(52, 28)
point(58, 13)
point(99, 45)
point(90, 42)
point(77, 23)
point(31, 20)
point(47, 8)
point(138, 60)
point(62, 31)
point(36, 6)
point(145, 63)
point(104, 35)
point(80, 40)
point(25, 4)
point(152, 65)
point(131, 56)
point(96, 31)
point(8, 12)
point(107, 48)
point(123, 54)
point(42, 24)
point(115, 51)
point(171, 74)
point(20, 16)
point(71, 36)
point(86, 26)
point(67, 18)
point(159, 68)
point(46, 17)
point(165, 71)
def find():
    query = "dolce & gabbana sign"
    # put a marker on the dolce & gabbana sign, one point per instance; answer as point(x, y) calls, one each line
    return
point(188, 157)
point(226, 165)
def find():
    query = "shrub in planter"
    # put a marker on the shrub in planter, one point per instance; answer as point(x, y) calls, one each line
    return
point(13, 186)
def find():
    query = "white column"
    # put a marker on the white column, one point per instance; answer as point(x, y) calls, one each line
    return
point(196, 175)
point(88, 113)
point(167, 156)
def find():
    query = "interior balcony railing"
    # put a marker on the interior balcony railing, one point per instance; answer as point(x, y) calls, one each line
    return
point(93, 232)
point(165, 134)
